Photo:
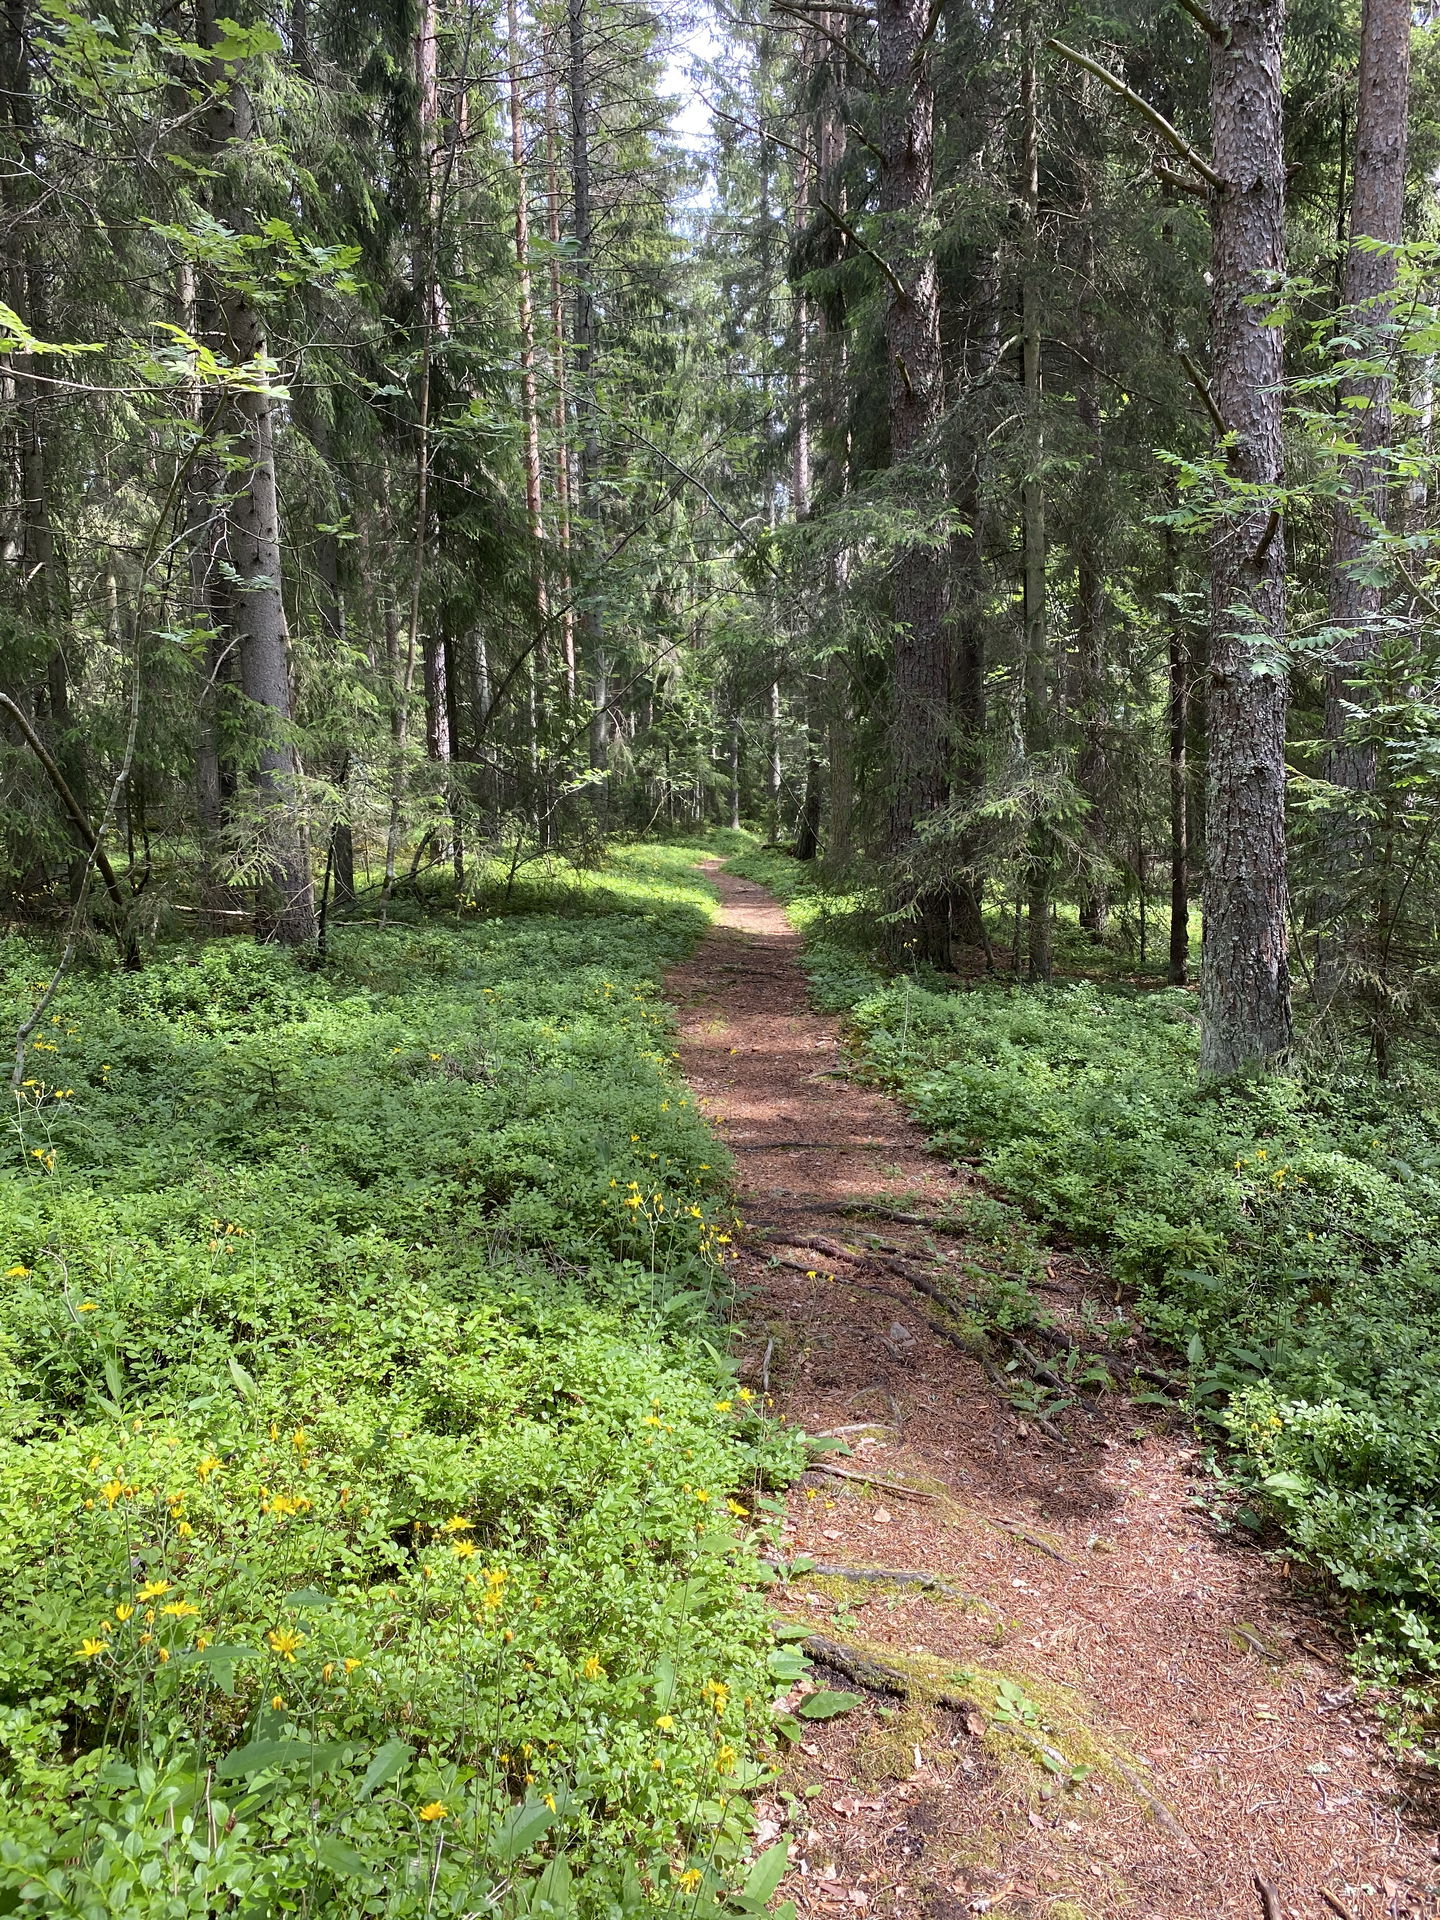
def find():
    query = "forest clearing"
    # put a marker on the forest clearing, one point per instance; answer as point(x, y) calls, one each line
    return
point(719, 932)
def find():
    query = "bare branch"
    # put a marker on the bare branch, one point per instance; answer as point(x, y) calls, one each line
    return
point(1202, 19)
point(1179, 181)
point(1190, 155)
point(1202, 387)
point(845, 227)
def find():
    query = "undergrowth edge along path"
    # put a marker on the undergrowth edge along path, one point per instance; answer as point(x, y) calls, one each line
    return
point(1107, 1708)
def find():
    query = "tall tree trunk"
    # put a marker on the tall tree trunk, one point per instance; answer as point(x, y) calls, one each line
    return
point(1245, 976)
point(583, 335)
point(920, 676)
point(285, 905)
point(529, 406)
point(1177, 717)
point(968, 612)
point(1041, 856)
point(1376, 213)
point(561, 400)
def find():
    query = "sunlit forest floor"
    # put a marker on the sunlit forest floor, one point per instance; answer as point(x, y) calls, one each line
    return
point(406, 1494)
point(1082, 1695)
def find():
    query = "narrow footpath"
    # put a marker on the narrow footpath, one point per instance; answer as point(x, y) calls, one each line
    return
point(1166, 1727)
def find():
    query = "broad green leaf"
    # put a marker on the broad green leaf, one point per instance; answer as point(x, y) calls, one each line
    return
point(385, 1764)
point(826, 1704)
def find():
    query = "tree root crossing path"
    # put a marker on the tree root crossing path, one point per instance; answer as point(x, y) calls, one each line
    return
point(1092, 1701)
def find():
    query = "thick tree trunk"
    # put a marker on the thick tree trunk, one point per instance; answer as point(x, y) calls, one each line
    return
point(583, 335)
point(1245, 978)
point(920, 673)
point(1037, 692)
point(1376, 213)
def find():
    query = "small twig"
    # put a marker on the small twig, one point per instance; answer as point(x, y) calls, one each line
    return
point(1190, 155)
point(765, 1367)
point(1272, 527)
point(1269, 1899)
point(1034, 1540)
point(1336, 1904)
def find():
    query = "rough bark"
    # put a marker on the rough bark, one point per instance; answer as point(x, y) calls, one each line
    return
point(1040, 864)
point(583, 345)
point(1376, 212)
point(920, 675)
point(1368, 282)
point(1245, 977)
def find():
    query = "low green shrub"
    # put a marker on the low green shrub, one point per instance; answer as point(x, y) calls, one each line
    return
point(377, 1510)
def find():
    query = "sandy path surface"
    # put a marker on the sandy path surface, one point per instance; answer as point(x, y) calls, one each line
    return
point(1229, 1770)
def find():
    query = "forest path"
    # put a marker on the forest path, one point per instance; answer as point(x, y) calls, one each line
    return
point(1186, 1669)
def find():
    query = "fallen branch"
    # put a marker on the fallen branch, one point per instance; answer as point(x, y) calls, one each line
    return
point(867, 1670)
point(1157, 1809)
point(894, 1577)
point(869, 1480)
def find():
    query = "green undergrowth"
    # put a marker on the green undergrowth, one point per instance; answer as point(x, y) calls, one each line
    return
point(377, 1509)
point(1283, 1235)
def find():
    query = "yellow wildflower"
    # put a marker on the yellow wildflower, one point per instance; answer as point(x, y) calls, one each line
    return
point(285, 1641)
point(153, 1589)
point(89, 1648)
point(124, 1611)
point(592, 1669)
point(181, 1610)
point(207, 1465)
point(435, 1810)
point(457, 1523)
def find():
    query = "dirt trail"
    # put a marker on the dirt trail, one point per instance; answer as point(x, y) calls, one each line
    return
point(1187, 1672)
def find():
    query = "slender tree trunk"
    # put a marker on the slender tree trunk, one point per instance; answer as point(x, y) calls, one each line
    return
point(777, 767)
point(1245, 977)
point(561, 403)
point(920, 676)
point(1178, 727)
point(1090, 540)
